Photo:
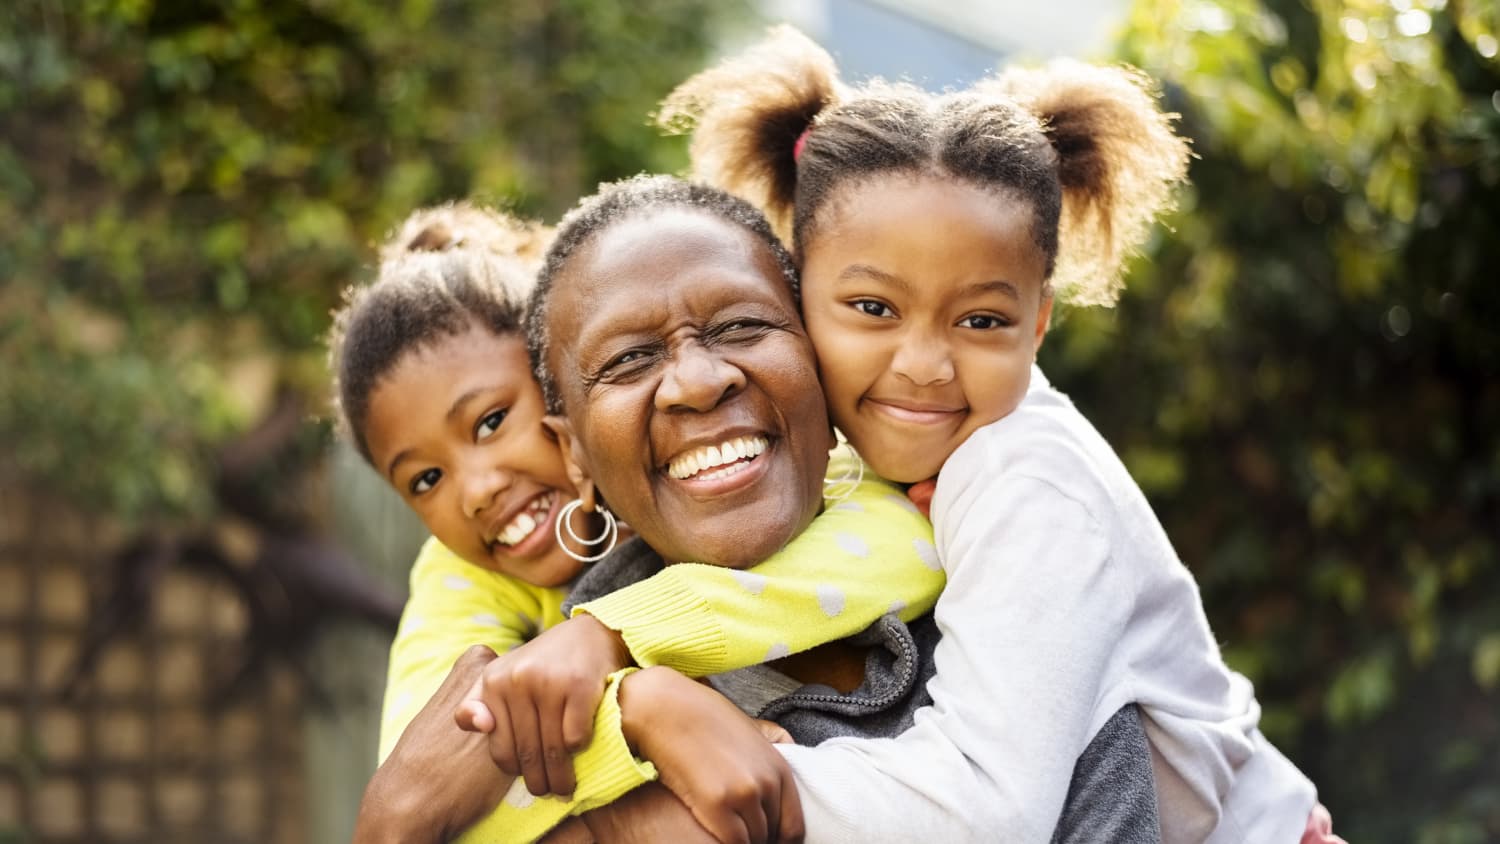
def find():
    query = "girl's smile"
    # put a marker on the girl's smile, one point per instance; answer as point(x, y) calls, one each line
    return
point(923, 298)
point(456, 426)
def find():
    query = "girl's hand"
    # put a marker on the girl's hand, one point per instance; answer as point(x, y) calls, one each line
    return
point(712, 756)
point(537, 702)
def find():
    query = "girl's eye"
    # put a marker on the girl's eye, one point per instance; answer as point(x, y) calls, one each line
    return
point(425, 481)
point(489, 424)
point(983, 322)
point(873, 308)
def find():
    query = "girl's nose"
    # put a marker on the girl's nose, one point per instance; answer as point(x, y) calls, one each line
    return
point(481, 485)
point(923, 360)
point(697, 379)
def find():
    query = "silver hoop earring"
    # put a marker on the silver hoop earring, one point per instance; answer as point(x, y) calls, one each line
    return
point(610, 535)
point(835, 490)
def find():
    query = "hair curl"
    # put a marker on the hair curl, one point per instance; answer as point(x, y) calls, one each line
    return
point(616, 202)
point(445, 269)
point(1087, 146)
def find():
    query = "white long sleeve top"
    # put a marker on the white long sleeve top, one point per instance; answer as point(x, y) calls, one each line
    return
point(1065, 601)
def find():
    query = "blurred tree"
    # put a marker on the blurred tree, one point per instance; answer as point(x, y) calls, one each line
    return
point(1305, 376)
point(184, 187)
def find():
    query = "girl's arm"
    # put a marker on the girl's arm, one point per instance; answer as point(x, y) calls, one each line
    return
point(867, 556)
point(1031, 613)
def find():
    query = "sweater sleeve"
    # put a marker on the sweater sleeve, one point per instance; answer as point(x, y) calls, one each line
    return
point(1028, 622)
point(606, 771)
point(454, 605)
point(862, 558)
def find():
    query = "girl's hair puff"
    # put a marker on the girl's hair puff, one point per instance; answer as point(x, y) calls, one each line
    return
point(747, 114)
point(1118, 161)
point(445, 269)
point(614, 203)
point(1087, 147)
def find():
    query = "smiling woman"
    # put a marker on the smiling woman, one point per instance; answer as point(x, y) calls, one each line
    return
point(659, 390)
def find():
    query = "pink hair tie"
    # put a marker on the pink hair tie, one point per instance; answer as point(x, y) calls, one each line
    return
point(801, 142)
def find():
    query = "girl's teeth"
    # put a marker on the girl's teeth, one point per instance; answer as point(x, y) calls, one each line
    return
point(526, 521)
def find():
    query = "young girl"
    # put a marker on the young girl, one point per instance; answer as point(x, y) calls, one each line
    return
point(434, 389)
point(933, 233)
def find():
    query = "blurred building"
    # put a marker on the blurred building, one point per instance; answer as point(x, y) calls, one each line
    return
point(938, 44)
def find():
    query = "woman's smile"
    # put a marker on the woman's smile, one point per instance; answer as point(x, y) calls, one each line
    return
point(691, 389)
point(732, 462)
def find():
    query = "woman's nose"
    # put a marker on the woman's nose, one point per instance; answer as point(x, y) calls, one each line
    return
point(923, 360)
point(481, 485)
point(697, 378)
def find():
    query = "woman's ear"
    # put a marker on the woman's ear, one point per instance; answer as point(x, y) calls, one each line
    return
point(572, 461)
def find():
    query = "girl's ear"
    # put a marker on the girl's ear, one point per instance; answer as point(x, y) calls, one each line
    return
point(572, 461)
point(1043, 319)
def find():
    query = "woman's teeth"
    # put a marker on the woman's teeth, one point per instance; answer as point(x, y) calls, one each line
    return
point(726, 454)
point(526, 521)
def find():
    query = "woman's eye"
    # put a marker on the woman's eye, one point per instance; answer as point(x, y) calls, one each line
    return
point(739, 329)
point(872, 308)
point(425, 481)
point(489, 424)
point(983, 322)
point(625, 363)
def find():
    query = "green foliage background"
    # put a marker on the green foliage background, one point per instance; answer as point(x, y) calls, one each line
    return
point(186, 186)
point(1304, 372)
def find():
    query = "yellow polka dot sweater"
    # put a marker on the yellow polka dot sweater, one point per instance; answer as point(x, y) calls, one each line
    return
point(870, 554)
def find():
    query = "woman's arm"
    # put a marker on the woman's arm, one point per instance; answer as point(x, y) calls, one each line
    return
point(453, 606)
point(437, 780)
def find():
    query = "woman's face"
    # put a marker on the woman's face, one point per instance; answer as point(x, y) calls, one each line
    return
point(456, 428)
point(692, 396)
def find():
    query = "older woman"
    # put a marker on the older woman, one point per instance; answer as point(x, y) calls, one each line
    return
point(666, 318)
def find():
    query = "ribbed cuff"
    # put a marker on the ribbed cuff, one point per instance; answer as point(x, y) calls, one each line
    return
point(664, 623)
point(606, 768)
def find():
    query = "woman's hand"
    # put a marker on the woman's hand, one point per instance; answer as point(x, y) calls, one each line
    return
point(438, 780)
point(718, 761)
point(537, 702)
point(646, 815)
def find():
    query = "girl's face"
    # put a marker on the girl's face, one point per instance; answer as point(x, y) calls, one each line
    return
point(456, 427)
point(923, 298)
point(691, 391)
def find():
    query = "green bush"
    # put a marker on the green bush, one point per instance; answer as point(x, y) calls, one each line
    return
point(1304, 374)
point(185, 186)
